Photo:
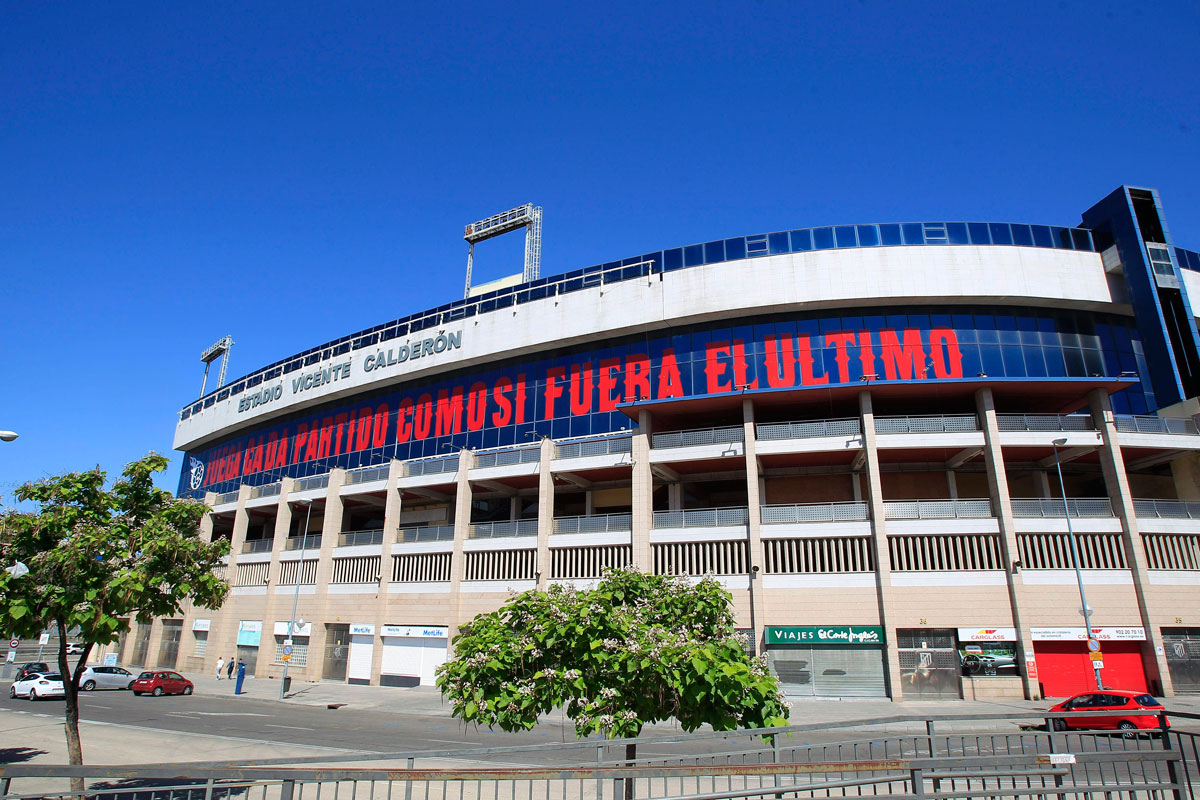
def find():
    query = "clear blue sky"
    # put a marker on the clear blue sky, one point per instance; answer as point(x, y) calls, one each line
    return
point(177, 171)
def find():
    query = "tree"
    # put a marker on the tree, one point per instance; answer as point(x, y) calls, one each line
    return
point(636, 649)
point(97, 557)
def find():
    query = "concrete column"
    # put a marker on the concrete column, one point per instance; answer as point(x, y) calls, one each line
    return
point(191, 613)
point(675, 496)
point(206, 522)
point(883, 562)
point(391, 526)
point(754, 551)
point(226, 622)
point(279, 605)
point(514, 508)
point(951, 484)
point(642, 494)
point(993, 458)
point(462, 530)
point(1117, 480)
point(589, 507)
point(545, 517)
point(1041, 483)
point(331, 527)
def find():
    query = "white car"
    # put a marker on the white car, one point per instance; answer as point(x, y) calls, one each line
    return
point(38, 686)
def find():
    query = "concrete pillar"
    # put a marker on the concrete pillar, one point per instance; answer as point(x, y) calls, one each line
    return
point(206, 522)
point(883, 562)
point(279, 603)
point(514, 508)
point(331, 527)
point(997, 475)
point(391, 526)
point(462, 530)
point(545, 517)
point(675, 496)
point(1116, 479)
point(1041, 483)
point(754, 551)
point(588, 506)
point(643, 494)
point(951, 485)
point(226, 622)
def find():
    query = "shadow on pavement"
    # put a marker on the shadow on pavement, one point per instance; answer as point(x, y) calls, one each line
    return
point(142, 788)
point(15, 755)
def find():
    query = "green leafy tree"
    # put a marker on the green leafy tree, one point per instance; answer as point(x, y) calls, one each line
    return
point(636, 649)
point(97, 557)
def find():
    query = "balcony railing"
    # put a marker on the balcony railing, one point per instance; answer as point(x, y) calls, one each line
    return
point(1053, 507)
point(1053, 551)
point(727, 435)
point(225, 497)
point(366, 475)
point(702, 517)
point(257, 545)
point(595, 447)
point(506, 458)
point(808, 429)
point(938, 509)
point(431, 466)
point(1044, 422)
point(267, 490)
point(1167, 509)
point(1176, 551)
point(814, 512)
point(350, 538)
point(313, 482)
point(594, 523)
point(503, 529)
point(1148, 424)
point(297, 542)
point(934, 423)
point(437, 533)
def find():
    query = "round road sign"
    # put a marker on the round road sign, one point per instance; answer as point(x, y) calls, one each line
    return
point(1094, 645)
point(14, 643)
point(287, 650)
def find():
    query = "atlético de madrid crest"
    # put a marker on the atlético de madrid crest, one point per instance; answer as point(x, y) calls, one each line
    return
point(196, 467)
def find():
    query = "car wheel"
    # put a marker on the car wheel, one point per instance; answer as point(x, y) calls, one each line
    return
point(88, 686)
point(187, 690)
point(1127, 728)
point(157, 691)
point(12, 692)
point(1059, 724)
point(33, 694)
point(130, 686)
point(137, 694)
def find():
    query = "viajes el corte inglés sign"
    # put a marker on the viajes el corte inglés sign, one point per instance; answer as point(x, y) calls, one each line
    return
point(824, 634)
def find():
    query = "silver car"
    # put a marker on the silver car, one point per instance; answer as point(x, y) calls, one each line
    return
point(95, 677)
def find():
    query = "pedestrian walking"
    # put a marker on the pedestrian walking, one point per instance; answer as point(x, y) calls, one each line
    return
point(229, 669)
point(220, 666)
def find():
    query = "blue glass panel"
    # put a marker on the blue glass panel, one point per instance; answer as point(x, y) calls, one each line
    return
point(1081, 238)
point(822, 238)
point(693, 255)
point(867, 236)
point(1093, 363)
point(778, 242)
point(965, 326)
point(1055, 366)
point(801, 240)
point(890, 234)
point(1000, 233)
point(1042, 237)
point(1074, 358)
point(985, 328)
point(845, 236)
point(714, 252)
point(956, 232)
point(1022, 235)
point(1035, 364)
point(914, 233)
point(1014, 361)
point(979, 233)
point(756, 245)
point(1062, 238)
point(1007, 326)
point(735, 249)
point(991, 360)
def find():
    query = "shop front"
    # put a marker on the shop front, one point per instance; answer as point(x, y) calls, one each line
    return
point(1065, 664)
point(827, 660)
point(362, 648)
point(988, 660)
point(929, 663)
point(248, 638)
point(1182, 646)
point(412, 654)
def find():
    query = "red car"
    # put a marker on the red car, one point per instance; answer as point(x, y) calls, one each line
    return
point(160, 683)
point(1116, 701)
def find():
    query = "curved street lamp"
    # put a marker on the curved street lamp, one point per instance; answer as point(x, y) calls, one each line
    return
point(7, 436)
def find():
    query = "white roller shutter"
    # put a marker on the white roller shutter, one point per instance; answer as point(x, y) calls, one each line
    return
point(848, 672)
point(358, 669)
point(433, 655)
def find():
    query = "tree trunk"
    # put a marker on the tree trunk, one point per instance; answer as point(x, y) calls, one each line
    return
point(70, 680)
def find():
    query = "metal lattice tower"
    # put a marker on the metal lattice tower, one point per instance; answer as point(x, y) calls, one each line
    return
point(215, 351)
point(528, 217)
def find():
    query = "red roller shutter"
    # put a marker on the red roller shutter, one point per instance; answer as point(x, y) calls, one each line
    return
point(1064, 668)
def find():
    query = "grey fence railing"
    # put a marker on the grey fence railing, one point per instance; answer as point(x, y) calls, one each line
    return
point(298, 542)
point(366, 475)
point(436, 533)
point(1148, 424)
point(351, 538)
point(702, 517)
point(267, 490)
point(808, 429)
point(431, 466)
point(594, 523)
point(1167, 509)
point(814, 512)
point(1044, 422)
point(499, 530)
point(257, 545)
point(506, 458)
point(594, 447)
point(313, 482)
point(933, 423)
point(1053, 507)
point(938, 509)
point(225, 497)
point(732, 434)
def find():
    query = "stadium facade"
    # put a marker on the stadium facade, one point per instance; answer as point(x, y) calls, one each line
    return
point(856, 429)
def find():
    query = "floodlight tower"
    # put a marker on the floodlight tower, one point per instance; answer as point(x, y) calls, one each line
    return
point(215, 351)
point(528, 217)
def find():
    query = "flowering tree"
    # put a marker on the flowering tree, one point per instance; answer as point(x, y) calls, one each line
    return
point(636, 649)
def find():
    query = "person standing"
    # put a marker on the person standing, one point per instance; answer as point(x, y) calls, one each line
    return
point(220, 666)
point(229, 669)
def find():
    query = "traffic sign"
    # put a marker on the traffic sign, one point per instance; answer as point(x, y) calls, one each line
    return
point(287, 649)
point(1098, 665)
point(1094, 645)
point(1097, 656)
point(14, 643)
point(44, 639)
point(285, 658)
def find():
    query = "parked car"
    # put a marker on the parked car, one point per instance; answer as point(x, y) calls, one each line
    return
point(32, 667)
point(105, 678)
point(1115, 700)
point(74, 649)
point(38, 686)
point(161, 682)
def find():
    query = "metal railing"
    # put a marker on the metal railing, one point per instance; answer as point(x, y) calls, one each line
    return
point(808, 429)
point(526, 454)
point(1044, 422)
point(1167, 509)
point(1129, 423)
point(267, 490)
point(502, 529)
point(310, 483)
point(594, 523)
point(431, 466)
point(815, 512)
point(976, 508)
point(436, 533)
point(367, 475)
point(1173, 551)
point(1053, 551)
point(1053, 507)
point(702, 517)
point(351, 538)
point(594, 447)
point(257, 545)
point(931, 423)
point(733, 434)
point(225, 497)
point(297, 542)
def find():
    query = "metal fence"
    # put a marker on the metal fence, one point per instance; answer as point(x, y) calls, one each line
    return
point(808, 429)
point(594, 523)
point(431, 466)
point(1167, 509)
point(225, 497)
point(1044, 422)
point(500, 530)
point(312, 482)
point(733, 434)
point(1149, 424)
point(437, 533)
point(299, 543)
point(814, 512)
point(594, 447)
point(257, 545)
point(1053, 507)
point(367, 475)
point(937, 509)
point(702, 517)
point(506, 458)
point(351, 538)
point(267, 490)
point(932, 423)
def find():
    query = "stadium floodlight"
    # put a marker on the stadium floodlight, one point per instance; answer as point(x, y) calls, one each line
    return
point(528, 217)
point(8, 436)
point(214, 351)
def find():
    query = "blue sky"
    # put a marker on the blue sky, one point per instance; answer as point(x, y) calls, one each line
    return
point(289, 173)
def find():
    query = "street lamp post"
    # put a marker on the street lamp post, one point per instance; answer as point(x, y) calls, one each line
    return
point(296, 596)
point(7, 436)
point(1085, 609)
